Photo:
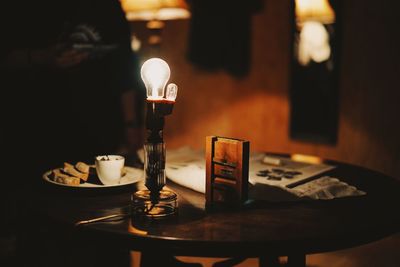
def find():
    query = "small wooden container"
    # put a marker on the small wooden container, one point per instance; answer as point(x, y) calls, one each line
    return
point(227, 171)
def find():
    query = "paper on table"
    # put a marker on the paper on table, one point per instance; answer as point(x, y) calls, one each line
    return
point(186, 167)
point(287, 173)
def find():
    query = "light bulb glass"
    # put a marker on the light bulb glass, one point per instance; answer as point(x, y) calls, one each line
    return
point(172, 91)
point(155, 73)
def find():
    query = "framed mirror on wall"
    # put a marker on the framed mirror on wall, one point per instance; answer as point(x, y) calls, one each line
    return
point(314, 92)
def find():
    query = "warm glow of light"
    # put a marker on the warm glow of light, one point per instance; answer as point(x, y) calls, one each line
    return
point(306, 158)
point(313, 43)
point(316, 10)
point(155, 73)
point(155, 9)
point(132, 229)
point(135, 43)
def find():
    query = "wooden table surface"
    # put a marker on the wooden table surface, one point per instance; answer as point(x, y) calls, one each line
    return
point(285, 228)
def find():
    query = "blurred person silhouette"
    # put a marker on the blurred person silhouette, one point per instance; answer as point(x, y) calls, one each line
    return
point(70, 91)
point(71, 81)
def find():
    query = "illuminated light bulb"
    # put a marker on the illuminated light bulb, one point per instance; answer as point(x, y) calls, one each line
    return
point(155, 74)
point(172, 91)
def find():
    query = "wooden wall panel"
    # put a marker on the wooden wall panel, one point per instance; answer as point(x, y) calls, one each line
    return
point(257, 107)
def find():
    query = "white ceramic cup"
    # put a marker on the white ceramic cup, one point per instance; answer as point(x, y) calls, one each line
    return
point(109, 168)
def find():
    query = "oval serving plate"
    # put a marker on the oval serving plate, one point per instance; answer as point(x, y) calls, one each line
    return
point(131, 175)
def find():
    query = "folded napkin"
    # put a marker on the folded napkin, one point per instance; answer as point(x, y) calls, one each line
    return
point(322, 188)
point(186, 167)
point(326, 188)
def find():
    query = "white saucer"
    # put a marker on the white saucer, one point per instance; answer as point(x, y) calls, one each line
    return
point(131, 175)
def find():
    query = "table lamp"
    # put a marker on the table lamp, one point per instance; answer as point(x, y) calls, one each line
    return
point(155, 12)
point(312, 18)
point(316, 10)
point(156, 202)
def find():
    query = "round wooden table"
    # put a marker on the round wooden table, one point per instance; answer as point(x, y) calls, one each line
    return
point(257, 230)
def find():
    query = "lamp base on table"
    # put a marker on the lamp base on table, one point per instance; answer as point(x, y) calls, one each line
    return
point(142, 204)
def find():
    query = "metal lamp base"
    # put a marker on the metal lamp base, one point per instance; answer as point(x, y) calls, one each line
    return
point(143, 206)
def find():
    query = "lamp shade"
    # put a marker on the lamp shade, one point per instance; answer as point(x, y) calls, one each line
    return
point(317, 10)
point(155, 9)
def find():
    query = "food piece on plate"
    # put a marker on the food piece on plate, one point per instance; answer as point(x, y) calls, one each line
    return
point(82, 167)
point(70, 169)
point(63, 178)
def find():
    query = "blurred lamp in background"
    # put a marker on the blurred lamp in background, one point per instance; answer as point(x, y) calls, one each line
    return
point(311, 15)
point(315, 10)
point(155, 12)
